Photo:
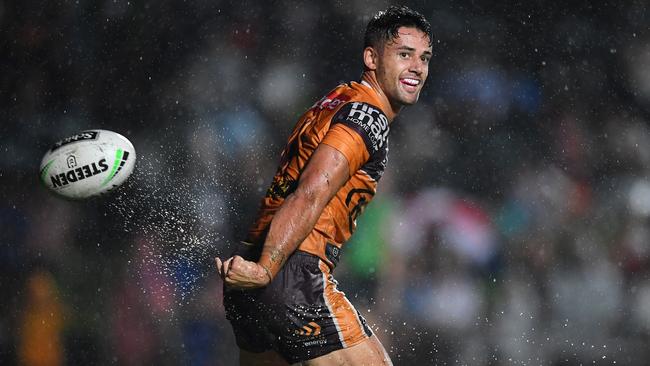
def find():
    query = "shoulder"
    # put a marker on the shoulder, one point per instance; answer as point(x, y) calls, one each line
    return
point(366, 119)
point(345, 93)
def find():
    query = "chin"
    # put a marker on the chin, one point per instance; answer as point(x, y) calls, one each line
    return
point(410, 101)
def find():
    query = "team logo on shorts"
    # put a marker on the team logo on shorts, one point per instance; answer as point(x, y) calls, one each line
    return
point(311, 330)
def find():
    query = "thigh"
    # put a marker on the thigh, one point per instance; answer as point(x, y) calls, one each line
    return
point(368, 352)
point(269, 358)
point(317, 318)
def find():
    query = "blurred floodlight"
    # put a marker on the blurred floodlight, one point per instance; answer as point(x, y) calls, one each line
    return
point(639, 198)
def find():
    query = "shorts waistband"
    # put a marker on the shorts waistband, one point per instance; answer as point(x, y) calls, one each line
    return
point(252, 252)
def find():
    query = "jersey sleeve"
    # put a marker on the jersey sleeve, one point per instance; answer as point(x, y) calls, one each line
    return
point(349, 143)
point(359, 131)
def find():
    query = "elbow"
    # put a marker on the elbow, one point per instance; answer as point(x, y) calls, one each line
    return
point(310, 196)
point(313, 195)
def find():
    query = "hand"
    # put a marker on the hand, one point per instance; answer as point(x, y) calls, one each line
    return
point(240, 273)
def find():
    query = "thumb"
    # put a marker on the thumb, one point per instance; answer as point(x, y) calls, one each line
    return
point(219, 264)
point(226, 266)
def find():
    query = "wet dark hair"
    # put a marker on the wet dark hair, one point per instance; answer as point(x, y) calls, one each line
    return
point(384, 25)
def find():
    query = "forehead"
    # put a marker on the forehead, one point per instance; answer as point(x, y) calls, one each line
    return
point(410, 37)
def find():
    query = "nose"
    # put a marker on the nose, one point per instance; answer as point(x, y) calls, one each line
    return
point(416, 66)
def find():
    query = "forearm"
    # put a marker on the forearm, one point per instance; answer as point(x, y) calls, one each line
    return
point(290, 226)
point(325, 174)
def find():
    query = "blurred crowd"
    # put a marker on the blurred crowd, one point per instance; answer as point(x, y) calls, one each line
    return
point(512, 226)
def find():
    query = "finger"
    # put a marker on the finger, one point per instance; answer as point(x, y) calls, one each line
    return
point(238, 266)
point(236, 260)
point(226, 267)
point(219, 266)
point(234, 264)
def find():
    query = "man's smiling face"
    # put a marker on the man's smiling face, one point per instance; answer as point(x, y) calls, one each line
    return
point(403, 66)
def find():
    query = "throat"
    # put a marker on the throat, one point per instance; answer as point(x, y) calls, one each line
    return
point(369, 79)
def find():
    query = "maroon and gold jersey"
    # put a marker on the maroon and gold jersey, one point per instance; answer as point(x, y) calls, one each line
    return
point(350, 119)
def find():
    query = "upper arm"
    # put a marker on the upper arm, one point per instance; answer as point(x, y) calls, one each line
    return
point(359, 131)
point(326, 172)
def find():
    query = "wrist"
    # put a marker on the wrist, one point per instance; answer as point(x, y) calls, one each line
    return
point(268, 267)
point(267, 272)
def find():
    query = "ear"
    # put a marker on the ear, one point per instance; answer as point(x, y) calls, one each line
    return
point(370, 57)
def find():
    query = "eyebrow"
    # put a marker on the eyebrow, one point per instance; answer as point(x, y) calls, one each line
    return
point(411, 49)
point(406, 48)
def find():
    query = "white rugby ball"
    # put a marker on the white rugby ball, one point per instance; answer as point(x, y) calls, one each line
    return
point(88, 164)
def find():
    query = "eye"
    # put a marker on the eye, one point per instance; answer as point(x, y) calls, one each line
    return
point(404, 55)
point(425, 59)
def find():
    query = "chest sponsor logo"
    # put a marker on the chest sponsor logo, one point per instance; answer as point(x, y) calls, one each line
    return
point(372, 120)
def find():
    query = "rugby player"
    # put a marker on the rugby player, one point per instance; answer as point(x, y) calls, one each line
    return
point(280, 295)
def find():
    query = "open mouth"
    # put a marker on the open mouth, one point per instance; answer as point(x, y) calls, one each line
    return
point(410, 84)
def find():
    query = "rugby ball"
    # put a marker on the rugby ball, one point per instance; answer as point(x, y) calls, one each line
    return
point(87, 164)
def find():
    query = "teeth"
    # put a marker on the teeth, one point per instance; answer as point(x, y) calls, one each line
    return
point(412, 82)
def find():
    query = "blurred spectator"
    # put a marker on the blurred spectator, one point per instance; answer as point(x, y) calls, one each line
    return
point(40, 340)
point(133, 333)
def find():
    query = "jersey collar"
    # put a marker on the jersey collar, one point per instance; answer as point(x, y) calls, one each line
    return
point(370, 84)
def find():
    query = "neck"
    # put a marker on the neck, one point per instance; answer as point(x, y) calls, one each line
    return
point(370, 78)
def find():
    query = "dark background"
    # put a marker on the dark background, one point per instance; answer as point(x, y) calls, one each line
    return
point(511, 227)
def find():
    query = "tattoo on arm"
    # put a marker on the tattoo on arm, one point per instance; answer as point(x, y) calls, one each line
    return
point(277, 257)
